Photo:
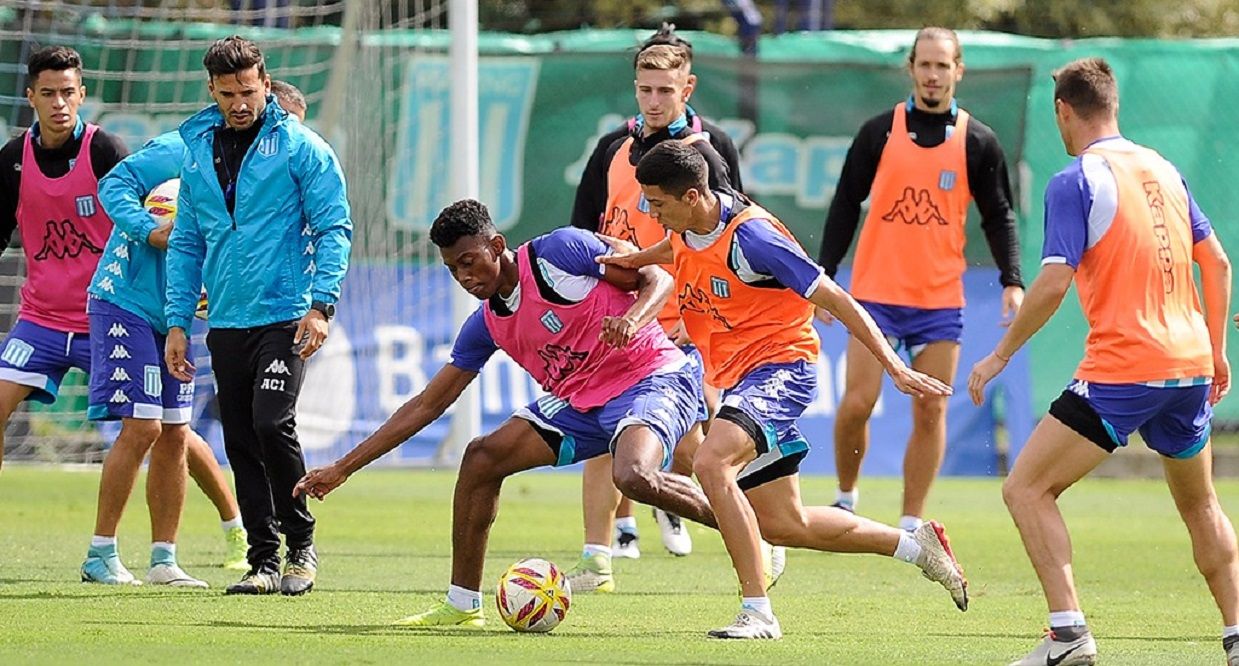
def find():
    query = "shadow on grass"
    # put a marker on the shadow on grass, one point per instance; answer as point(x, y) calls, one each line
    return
point(1100, 637)
point(494, 631)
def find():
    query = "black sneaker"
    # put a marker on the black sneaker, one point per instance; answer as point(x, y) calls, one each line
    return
point(300, 568)
point(258, 581)
point(1231, 645)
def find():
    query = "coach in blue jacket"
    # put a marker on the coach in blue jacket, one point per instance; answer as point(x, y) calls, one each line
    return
point(263, 222)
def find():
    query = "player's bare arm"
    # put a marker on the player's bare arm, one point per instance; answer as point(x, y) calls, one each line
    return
point(1044, 297)
point(831, 297)
point(420, 411)
point(653, 286)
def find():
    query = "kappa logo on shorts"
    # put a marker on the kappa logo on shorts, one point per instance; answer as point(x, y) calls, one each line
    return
point(1079, 387)
point(119, 352)
point(152, 380)
point(268, 145)
point(278, 367)
point(85, 205)
point(119, 397)
point(17, 353)
point(551, 321)
point(720, 287)
point(119, 375)
point(118, 331)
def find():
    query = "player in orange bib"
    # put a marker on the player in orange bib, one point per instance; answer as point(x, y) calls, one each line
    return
point(920, 165)
point(747, 292)
point(608, 200)
point(1121, 224)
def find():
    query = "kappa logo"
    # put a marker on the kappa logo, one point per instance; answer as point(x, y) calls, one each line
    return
point(119, 375)
point(119, 352)
point(119, 397)
point(118, 330)
point(311, 269)
point(62, 240)
point(268, 145)
point(1079, 387)
point(617, 226)
point(1156, 201)
point(114, 268)
point(306, 230)
point(309, 249)
point(915, 208)
point(85, 205)
point(106, 285)
point(17, 353)
point(278, 367)
point(696, 300)
point(552, 322)
point(560, 361)
point(121, 251)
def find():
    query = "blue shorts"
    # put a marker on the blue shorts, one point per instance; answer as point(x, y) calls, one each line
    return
point(699, 371)
point(766, 404)
point(1174, 421)
point(39, 357)
point(665, 402)
point(910, 329)
point(130, 379)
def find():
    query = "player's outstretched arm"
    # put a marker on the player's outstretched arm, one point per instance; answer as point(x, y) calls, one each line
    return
point(420, 411)
point(1042, 301)
point(1215, 289)
point(626, 255)
point(653, 286)
point(830, 296)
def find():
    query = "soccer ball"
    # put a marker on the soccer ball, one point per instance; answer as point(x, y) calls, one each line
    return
point(161, 202)
point(533, 596)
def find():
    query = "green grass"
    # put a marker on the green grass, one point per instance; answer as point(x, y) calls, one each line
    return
point(383, 540)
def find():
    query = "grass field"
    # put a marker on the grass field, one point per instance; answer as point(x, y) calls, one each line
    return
point(383, 541)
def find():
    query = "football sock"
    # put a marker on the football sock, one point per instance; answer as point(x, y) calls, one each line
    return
point(463, 600)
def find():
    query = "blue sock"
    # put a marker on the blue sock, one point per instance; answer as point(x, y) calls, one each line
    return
point(163, 553)
point(104, 547)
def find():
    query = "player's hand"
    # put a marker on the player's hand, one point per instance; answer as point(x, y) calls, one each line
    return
point(311, 334)
point(1012, 300)
point(982, 373)
point(918, 384)
point(823, 315)
point(158, 237)
point(1221, 379)
point(319, 481)
point(623, 254)
point(679, 335)
point(618, 331)
point(175, 351)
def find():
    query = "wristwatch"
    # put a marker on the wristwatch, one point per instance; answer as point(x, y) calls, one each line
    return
point(327, 309)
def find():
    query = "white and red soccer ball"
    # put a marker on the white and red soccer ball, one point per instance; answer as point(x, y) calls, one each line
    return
point(533, 596)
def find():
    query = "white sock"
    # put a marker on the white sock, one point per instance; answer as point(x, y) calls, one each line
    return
point(908, 549)
point(1232, 630)
point(1067, 619)
point(592, 549)
point(462, 599)
point(847, 498)
point(759, 604)
point(97, 541)
point(910, 523)
point(229, 524)
point(626, 524)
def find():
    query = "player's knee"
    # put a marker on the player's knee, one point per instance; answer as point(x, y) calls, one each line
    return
point(634, 481)
point(143, 432)
point(479, 457)
point(783, 530)
point(707, 466)
point(855, 408)
point(928, 412)
point(1016, 493)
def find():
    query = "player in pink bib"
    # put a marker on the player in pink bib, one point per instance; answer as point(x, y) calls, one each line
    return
point(588, 335)
point(49, 182)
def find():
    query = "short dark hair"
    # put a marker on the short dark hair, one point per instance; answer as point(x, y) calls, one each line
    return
point(1089, 86)
point(467, 217)
point(52, 59)
point(675, 167)
point(666, 37)
point(288, 95)
point(232, 55)
point(936, 32)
